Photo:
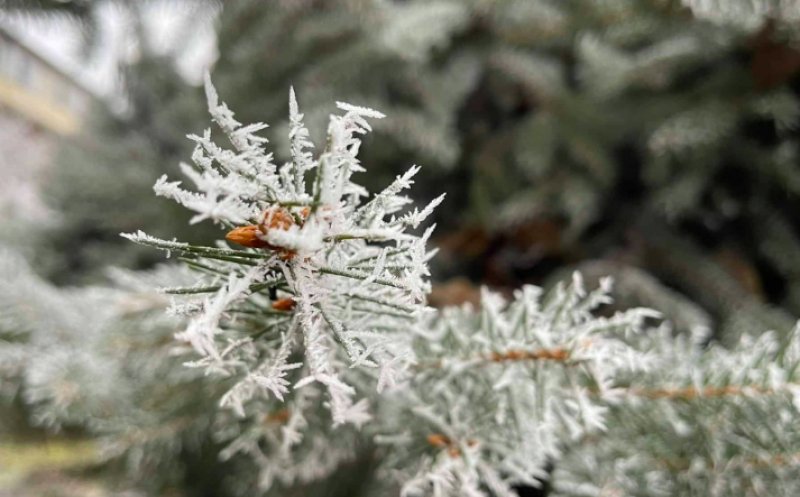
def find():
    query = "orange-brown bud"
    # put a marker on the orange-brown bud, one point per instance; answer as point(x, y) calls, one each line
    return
point(438, 440)
point(273, 218)
point(286, 254)
point(284, 304)
point(276, 218)
point(247, 236)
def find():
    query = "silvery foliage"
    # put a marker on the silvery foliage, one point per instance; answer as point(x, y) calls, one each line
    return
point(42, 361)
point(356, 277)
point(503, 390)
point(701, 420)
point(490, 396)
point(99, 359)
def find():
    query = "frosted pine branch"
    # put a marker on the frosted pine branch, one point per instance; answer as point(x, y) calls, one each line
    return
point(319, 248)
point(498, 394)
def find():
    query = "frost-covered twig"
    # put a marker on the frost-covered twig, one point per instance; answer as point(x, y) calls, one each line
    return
point(325, 248)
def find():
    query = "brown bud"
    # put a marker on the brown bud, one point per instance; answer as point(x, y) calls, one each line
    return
point(286, 254)
point(247, 236)
point(273, 218)
point(453, 451)
point(284, 304)
point(438, 440)
point(276, 218)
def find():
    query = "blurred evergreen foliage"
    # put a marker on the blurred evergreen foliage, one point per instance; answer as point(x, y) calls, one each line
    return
point(101, 183)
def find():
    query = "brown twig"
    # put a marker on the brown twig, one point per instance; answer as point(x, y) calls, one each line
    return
point(558, 354)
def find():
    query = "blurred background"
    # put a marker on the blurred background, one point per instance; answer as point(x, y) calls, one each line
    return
point(655, 141)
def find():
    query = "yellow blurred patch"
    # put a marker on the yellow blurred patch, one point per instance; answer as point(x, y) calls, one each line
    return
point(20, 460)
